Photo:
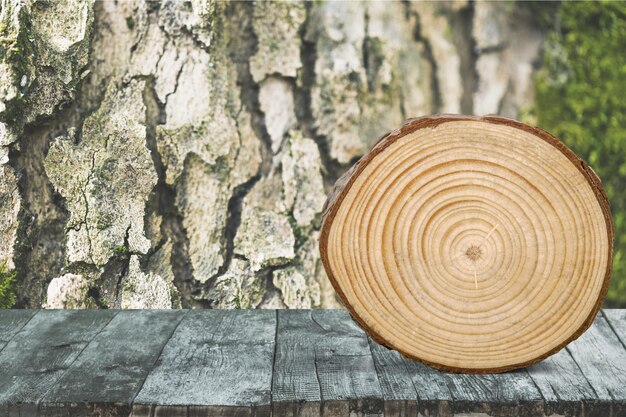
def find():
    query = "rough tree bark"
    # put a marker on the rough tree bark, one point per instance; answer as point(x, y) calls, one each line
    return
point(164, 154)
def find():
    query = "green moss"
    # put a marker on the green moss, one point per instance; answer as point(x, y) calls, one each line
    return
point(8, 284)
point(237, 301)
point(104, 303)
point(120, 251)
point(130, 22)
point(130, 287)
point(580, 94)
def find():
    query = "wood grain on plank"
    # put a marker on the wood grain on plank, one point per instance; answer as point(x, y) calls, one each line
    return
point(602, 359)
point(216, 361)
point(219, 363)
point(617, 321)
point(564, 388)
point(440, 393)
point(511, 393)
point(40, 354)
point(112, 368)
point(398, 374)
point(396, 384)
point(11, 322)
point(323, 366)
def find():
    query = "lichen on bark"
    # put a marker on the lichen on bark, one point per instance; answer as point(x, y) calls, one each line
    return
point(105, 176)
point(43, 58)
point(44, 51)
point(369, 72)
point(144, 290)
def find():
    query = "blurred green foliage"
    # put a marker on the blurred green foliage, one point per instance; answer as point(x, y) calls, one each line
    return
point(581, 98)
point(7, 287)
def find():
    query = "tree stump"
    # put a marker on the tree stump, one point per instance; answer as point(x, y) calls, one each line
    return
point(471, 244)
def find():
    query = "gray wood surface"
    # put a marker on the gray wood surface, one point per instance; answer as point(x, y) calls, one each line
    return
point(399, 393)
point(564, 388)
point(219, 361)
point(11, 322)
point(112, 368)
point(42, 352)
point(323, 366)
point(601, 358)
point(408, 384)
point(303, 363)
point(617, 321)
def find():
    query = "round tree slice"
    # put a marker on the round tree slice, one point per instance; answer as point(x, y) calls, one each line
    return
point(471, 244)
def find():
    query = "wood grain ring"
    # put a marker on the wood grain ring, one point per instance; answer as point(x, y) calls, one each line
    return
point(472, 244)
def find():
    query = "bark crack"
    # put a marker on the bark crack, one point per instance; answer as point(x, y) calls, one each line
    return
point(331, 168)
point(41, 237)
point(163, 197)
point(123, 270)
point(468, 52)
point(241, 48)
point(436, 102)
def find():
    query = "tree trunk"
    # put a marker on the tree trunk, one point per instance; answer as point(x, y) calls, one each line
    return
point(159, 154)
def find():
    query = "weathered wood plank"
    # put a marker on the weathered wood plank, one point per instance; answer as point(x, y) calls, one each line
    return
point(434, 396)
point(11, 322)
point(602, 359)
point(440, 393)
point(216, 361)
point(323, 366)
point(40, 354)
point(564, 388)
point(399, 393)
point(617, 321)
point(110, 371)
point(219, 363)
point(295, 385)
point(505, 394)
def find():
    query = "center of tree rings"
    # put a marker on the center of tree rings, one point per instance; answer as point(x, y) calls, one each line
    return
point(474, 253)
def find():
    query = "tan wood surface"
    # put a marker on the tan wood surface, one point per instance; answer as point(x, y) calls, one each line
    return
point(471, 244)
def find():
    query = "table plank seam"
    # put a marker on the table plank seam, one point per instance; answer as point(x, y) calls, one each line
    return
point(157, 357)
point(19, 331)
point(317, 322)
point(378, 372)
point(317, 375)
point(582, 373)
point(543, 399)
point(274, 361)
point(69, 366)
point(622, 342)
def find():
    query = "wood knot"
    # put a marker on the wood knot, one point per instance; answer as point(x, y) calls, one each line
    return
point(474, 253)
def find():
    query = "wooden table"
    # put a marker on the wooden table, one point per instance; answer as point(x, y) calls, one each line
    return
point(284, 363)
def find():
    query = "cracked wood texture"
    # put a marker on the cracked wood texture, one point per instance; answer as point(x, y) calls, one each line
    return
point(201, 363)
point(178, 153)
point(473, 244)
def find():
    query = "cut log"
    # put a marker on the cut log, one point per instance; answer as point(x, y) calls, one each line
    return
point(471, 244)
